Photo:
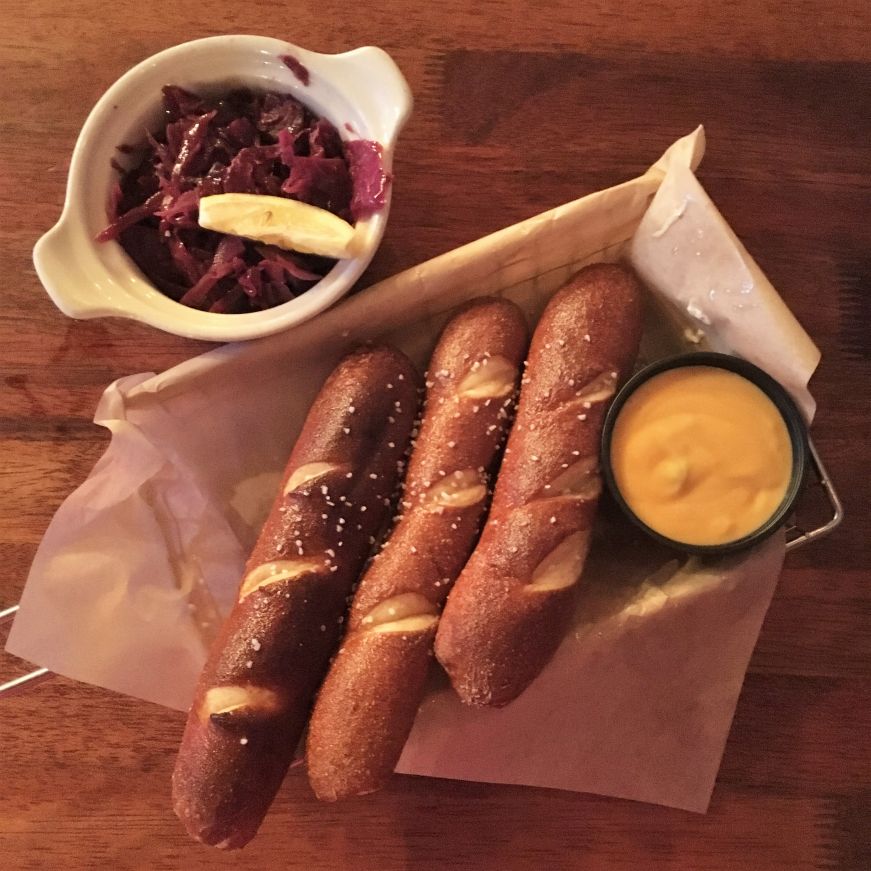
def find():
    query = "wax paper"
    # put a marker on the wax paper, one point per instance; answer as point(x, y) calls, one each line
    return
point(141, 562)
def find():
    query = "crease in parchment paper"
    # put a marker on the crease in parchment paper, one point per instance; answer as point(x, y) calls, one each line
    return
point(140, 561)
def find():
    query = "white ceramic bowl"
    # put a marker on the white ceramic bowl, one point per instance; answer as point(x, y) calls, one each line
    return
point(363, 89)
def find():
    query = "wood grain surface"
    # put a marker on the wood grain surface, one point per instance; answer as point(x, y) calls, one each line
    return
point(519, 107)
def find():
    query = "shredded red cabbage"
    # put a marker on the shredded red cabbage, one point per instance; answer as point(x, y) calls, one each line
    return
point(241, 142)
point(369, 182)
point(296, 67)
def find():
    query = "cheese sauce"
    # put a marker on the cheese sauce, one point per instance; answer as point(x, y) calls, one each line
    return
point(701, 455)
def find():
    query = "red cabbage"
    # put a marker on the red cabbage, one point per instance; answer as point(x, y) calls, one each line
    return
point(321, 181)
point(369, 180)
point(238, 142)
point(296, 67)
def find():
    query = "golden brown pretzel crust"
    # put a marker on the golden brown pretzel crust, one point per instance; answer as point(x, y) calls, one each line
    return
point(256, 689)
point(367, 704)
point(513, 601)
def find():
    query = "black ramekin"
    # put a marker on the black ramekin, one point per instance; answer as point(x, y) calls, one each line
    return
point(792, 417)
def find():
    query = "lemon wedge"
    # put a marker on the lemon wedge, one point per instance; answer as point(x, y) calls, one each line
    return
point(288, 224)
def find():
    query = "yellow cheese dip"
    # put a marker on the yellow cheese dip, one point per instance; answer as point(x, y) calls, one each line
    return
point(701, 455)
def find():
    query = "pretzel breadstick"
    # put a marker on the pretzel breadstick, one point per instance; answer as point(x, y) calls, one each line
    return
point(256, 690)
point(514, 600)
point(367, 704)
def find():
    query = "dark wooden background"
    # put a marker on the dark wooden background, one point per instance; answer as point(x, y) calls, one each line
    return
point(520, 107)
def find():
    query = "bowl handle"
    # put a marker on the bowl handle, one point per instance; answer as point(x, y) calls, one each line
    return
point(374, 83)
point(61, 275)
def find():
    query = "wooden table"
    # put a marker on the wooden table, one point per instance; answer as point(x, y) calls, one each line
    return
point(519, 108)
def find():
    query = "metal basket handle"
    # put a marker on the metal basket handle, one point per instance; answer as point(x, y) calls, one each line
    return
point(17, 683)
point(797, 537)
